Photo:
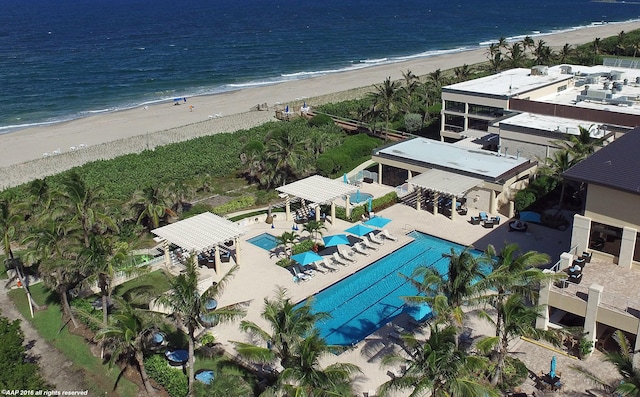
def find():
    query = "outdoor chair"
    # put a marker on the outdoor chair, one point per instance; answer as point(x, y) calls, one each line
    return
point(483, 216)
point(375, 239)
point(328, 266)
point(475, 220)
point(496, 220)
point(369, 245)
point(488, 223)
point(338, 260)
point(388, 235)
point(348, 255)
point(361, 249)
point(586, 256)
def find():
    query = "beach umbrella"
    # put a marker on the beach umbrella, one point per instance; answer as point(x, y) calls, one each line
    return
point(306, 258)
point(345, 179)
point(369, 204)
point(359, 230)
point(286, 110)
point(336, 239)
point(552, 370)
point(378, 221)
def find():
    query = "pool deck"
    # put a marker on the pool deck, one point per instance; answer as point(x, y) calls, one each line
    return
point(258, 278)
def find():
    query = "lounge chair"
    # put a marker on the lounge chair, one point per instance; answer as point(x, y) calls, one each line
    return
point(375, 239)
point(388, 235)
point(369, 244)
point(303, 277)
point(483, 216)
point(348, 255)
point(361, 249)
point(328, 266)
point(338, 260)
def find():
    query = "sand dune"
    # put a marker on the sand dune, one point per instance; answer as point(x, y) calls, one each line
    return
point(109, 135)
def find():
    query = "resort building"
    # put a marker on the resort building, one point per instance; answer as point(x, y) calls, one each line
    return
point(523, 111)
point(435, 170)
point(607, 232)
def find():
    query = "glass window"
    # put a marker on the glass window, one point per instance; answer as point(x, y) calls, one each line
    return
point(453, 123)
point(477, 124)
point(453, 106)
point(562, 88)
point(605, 238)
point(487, 111)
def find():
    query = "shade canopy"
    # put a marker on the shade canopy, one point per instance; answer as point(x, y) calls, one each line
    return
point(378, 221)
point(359, 230)
point(336, 239)
point(552, 370)
point(306, 258)
point(318, 189)
point(444, 182)
point(200, 233)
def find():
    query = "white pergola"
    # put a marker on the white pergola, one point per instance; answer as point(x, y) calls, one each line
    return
point(444, 183)
point(318, 190)
point(201, 233)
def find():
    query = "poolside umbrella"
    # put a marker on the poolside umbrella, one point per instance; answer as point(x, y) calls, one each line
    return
point(345, 179)
point(552, 371)
point(306, 258)
point(378, 221)
point(369, 204)
point(336, 239)
point(359, 230)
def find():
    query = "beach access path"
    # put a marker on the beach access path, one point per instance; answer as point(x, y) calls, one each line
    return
point(104, 136)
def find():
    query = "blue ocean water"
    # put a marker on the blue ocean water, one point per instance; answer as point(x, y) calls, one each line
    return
point(365, 301)
point(65, 59)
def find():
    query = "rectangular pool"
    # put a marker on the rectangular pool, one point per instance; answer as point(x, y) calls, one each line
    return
point(367, 300)
point(265, 241)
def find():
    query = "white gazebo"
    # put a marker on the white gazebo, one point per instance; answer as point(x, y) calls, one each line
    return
point(201, 233)
point(318, 190)
point(443, 183)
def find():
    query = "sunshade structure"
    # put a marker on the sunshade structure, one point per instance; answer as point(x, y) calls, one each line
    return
point(336, 239)
point(444, 183)
point(378, 221)
point(201, 233)
point(317, 190)
point(306, 258)
point(359, 230)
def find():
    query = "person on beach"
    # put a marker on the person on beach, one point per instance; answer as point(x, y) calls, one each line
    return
point(191, 108)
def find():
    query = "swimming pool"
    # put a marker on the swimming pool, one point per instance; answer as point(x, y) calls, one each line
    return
point(359, 197)
point(365, 301)
point(265, 241)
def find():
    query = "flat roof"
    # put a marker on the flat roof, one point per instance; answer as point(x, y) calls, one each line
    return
point(318, 189)
point(478, 163)
point(509, 83)
point(615, 165)
point(553, 124)
point(445, 182)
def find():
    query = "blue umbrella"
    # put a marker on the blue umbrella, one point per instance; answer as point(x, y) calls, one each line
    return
point(336, 239)
point(552, 371)
point(369, 204)
point(378, 221)
point(345, 179)
point(306, 258)
point(359, 230)
point(286, 110)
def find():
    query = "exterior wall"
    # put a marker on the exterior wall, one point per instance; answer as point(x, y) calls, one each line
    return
point(478, 199)
point(612, 207)
point(547, 90)
point(529, 150)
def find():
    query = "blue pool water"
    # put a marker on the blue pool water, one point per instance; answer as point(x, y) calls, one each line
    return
point(265, 241)
point(365, 301)
point(359, 198)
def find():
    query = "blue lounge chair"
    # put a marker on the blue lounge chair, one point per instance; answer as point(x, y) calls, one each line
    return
point(483, 216)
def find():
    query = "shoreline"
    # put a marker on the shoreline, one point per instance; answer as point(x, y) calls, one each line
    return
point(108, 135)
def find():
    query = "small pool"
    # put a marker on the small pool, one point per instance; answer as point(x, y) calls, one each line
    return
point(265, 241)
point(359, 197)
point(367, 300)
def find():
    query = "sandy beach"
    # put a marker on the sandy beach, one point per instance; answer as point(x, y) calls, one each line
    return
point(104, 136)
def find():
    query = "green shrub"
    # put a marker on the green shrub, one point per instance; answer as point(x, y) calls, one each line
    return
point(235, 205)
point(303, 246)
point(319, 120)
point(86, 313)
point(524, 198)
point(326, 166)
point(515, 373)
point(412, 122)
point(173, 380)
point(542, 185)
point(377, 204)
point(197, 209)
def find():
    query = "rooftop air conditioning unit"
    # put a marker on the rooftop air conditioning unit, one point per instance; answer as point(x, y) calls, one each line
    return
point(616, 75)
point(539, 70)
point(565, 69)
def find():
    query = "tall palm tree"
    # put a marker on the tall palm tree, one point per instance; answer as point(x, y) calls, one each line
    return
point(289, 326)
point(542, 53)
point(437, 367)
point(527, 43)
point(518, 319)
point(462, 72)
point(126, 338)
point(314, 228)
point(385, 98)
point(565, 52)
point(555, 167)
point(623, 361)
point(496, 62)
point(582, 145)
point(152, 205)
point(286, 240)
point(284, 156)
point(636, 48)
point(187, 306)
point(516, 55)
point(596, 48)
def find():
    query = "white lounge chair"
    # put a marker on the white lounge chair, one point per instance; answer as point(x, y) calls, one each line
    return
point(361, 249)
point(326, 264)
point(338, 260)
point(375, 239)
point(303, 277)
point(369, 244)
point(348, 255)
point(388, 235)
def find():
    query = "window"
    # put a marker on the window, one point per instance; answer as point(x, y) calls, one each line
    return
point(453, 123)
point(562, 88)
point(605, 238)
point(453, 106)
point(477, 124)
point(486, 111)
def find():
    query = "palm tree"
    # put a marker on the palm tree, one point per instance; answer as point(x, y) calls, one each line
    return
point(284, 156)
point(496, 62)
point(555, 167)
point(187, 306)
point(152, 205)
point(314, 228)
point(582, 145)
point(126, 339)
point(289, 324)
point(286, 239)
point(462, 72)
point(527, 43)
point(436, 367)
point(596, 48)
point(565, 52)
point(623, 361)
point(636, 48)
point(518, 319)
point(385, 98)
point(516, 55)
point(542, 53)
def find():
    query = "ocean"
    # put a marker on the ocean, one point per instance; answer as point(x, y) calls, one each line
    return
point(65, 59)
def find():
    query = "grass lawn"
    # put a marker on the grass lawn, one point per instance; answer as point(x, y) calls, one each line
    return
point(98, 377)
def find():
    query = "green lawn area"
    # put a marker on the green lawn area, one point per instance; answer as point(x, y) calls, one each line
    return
point(157, 279)
point(98, 377)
